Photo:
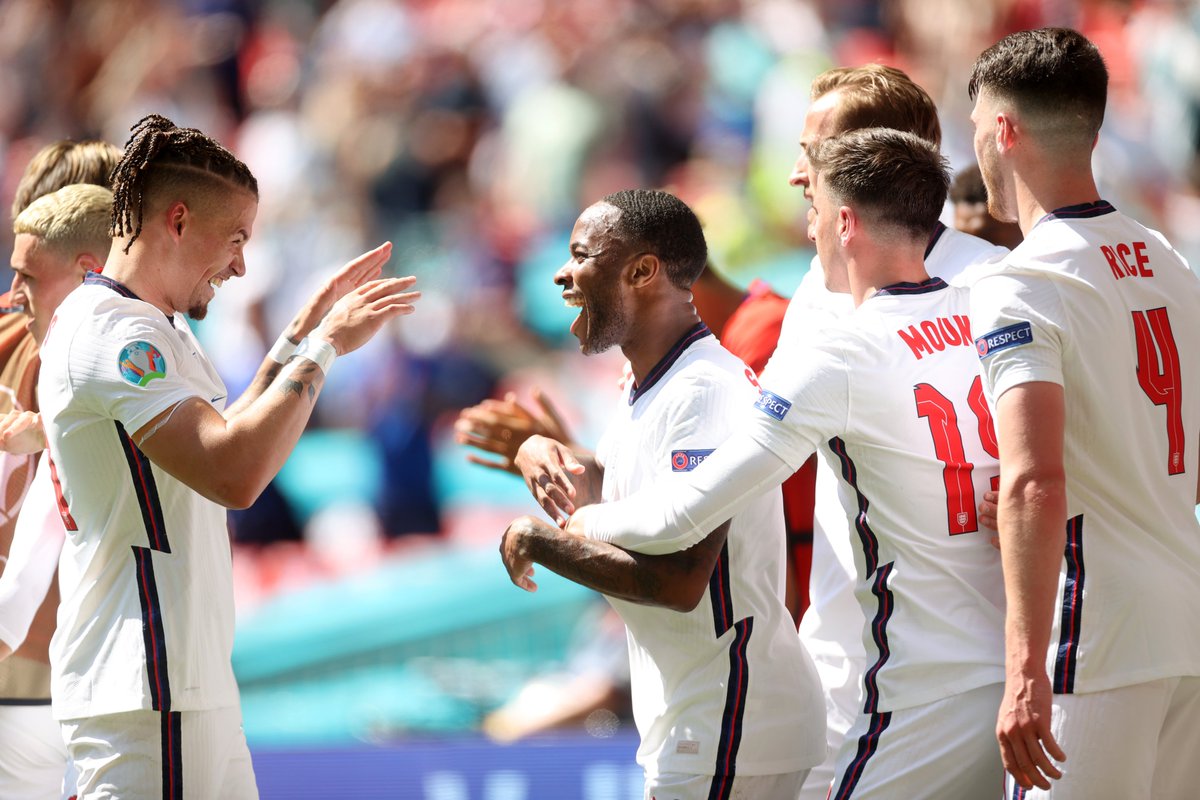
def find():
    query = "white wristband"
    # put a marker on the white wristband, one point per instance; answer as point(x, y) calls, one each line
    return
point(318, 351)
point(282, 350)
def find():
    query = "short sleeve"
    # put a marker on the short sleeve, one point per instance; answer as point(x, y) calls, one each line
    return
point(1017, 320)
point(804, 399)
point(132, 373)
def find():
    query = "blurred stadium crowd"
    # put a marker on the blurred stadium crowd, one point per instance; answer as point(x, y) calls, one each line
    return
point(470, 133)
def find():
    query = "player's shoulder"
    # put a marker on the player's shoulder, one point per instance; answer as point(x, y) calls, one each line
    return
point(954, 251)
point(708, 363)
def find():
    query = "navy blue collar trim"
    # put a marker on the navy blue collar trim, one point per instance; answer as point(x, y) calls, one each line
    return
point(907, 287)
point(1080, 211)
point(937, 234)
point(96, 279)
point(694, 334)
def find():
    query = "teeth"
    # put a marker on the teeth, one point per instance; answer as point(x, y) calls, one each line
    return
point(573, 302)
point(216, 282)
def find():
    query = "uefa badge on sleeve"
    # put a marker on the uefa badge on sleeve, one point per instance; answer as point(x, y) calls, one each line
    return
point(141, 362)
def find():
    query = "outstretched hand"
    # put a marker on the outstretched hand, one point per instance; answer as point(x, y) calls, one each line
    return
point(359, 315)
point(547, 467)
point(367, 267)
point(500, 427)
point(21, 433)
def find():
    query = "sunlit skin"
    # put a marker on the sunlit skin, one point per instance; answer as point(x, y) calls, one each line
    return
point(589, 280)
point(222, 235)
point(991, 129)
point(43, 276)
point(819, 123)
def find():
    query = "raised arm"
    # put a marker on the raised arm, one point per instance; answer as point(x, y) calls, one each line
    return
point(367, 267)
point(231, 459)
point(676, 581)
point(500, 427)
point(1032, 522)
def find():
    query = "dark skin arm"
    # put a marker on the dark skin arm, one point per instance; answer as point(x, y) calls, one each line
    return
point(676, 581)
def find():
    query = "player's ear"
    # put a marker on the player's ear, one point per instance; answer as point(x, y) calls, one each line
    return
point(645, 268)
point(847, 225)
point(1006, 131)
point(88, 262)
point(179, 216)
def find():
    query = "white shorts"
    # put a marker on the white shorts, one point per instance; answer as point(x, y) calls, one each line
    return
point(677, 786)
point(1138, 741)
point(200, 755)
point(841, 682)
point(33, 759)
point(944, 750)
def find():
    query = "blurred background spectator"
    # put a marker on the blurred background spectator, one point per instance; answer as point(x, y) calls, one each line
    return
point(470, 133)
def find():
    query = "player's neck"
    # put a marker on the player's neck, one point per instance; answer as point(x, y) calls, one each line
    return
point(139, 271)
point(880, 267)
point(1041, 189)
point(656, 331)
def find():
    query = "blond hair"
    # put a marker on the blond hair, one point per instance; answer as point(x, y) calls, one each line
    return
point(62, 164)
point(878, 96)
point(72, 220)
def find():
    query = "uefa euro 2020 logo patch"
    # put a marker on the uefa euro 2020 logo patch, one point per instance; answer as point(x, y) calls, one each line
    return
point(141, 362)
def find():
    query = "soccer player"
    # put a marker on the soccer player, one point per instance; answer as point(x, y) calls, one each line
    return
point(1085, 336)
point(846, 99)
point(895, 392)
point(724, 697)
point(145, 460)
point(32, 755)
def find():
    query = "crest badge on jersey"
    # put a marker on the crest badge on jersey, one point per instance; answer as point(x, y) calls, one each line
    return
point(141, 362)
point(1003, 338)
point(688, 460)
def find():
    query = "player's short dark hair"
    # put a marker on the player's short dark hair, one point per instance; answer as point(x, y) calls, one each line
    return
point(163, 161)
point(890, 177)
point(660, 223)
point(878, 96)
point(968, 186)
point(64, 163)
point(1053, 75)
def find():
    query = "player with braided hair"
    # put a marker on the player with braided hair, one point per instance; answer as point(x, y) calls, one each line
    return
point(146, 458)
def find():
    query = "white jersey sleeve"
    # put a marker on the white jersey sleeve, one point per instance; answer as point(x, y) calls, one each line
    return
point(1019, 333)
point(812, 377)
point(131, 376)
point(32, 559)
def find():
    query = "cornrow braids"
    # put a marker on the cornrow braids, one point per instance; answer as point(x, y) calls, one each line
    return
point(157, 146)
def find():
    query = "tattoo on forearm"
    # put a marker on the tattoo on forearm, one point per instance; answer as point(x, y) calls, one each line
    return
point(304, 374)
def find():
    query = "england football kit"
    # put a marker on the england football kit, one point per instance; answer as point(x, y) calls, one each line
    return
point(1104, 307)
point(725, 690)
point(830, 626)
point(894, 392)
point(146, 616)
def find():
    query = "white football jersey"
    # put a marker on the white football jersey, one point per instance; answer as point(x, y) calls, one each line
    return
point(893, 394)
point(726, 687)
point(1097, 303)
point(146, 618)
point(831, 624)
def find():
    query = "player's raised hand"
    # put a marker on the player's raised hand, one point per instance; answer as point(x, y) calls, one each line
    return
point(514, 549)
point(502, 426)
point(547, 467)
point(21, 433)
point(1023, 730)
point(367, 267)
point(359, 315)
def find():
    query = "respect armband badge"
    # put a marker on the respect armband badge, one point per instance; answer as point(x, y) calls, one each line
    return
point(141, 362)
point(1003, 338)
